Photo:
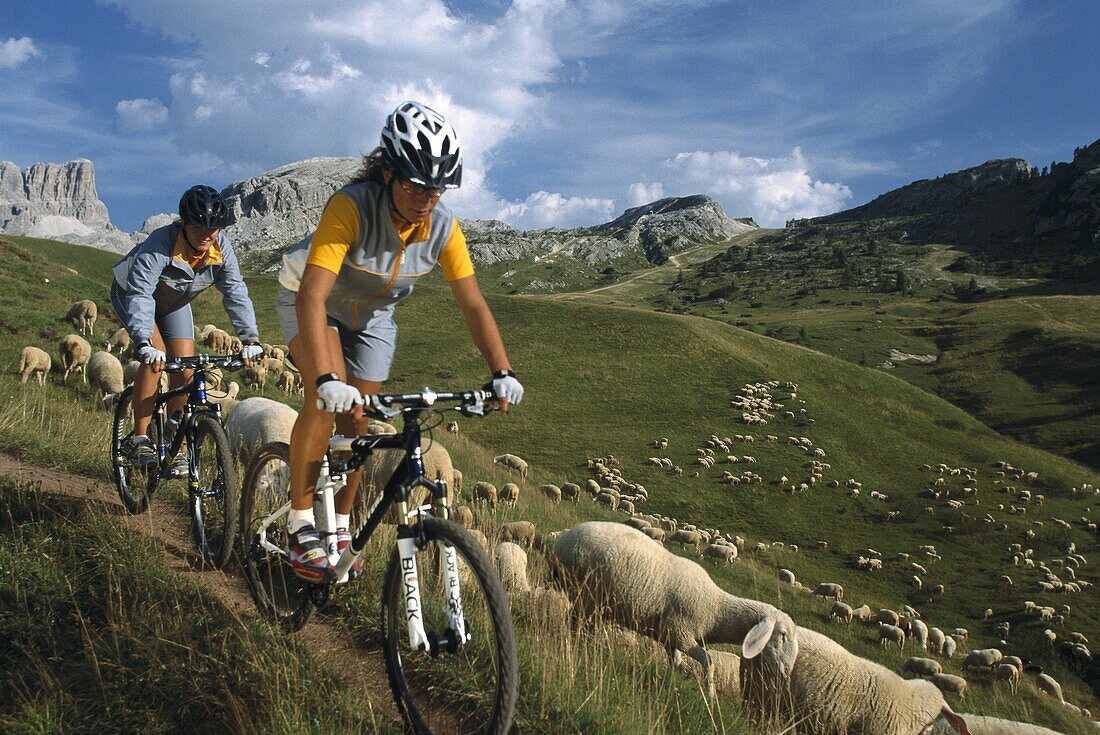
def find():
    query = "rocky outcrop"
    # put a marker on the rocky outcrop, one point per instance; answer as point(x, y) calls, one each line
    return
point(280, 207)
point(653, 231)
point(57, 201)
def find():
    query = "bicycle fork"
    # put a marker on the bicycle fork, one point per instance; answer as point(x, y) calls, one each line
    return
point(419, 639)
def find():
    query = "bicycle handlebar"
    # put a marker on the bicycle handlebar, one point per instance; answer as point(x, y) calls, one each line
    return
point(470, 402)
point(204, 362)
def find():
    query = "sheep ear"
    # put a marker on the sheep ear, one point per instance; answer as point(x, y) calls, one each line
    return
point(956, 722)
point(757, 638)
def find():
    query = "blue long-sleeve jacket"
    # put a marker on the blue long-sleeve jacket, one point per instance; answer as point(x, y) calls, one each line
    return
point(157, 283)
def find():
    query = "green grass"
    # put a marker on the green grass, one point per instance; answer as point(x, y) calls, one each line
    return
point(607, 378)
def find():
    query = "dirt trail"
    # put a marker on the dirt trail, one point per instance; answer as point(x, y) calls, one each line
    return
point(171, 532)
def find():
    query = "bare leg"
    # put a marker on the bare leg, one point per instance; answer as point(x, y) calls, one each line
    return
point(179, 348)
point(354, 423)
point(312, 430)
point(145, 385)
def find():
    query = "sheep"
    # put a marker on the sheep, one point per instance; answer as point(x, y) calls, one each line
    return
point(843, 612)
point(452, 427)
point(724, 669)
point(119, 339)
point(287, 381)
point(657, 534)
point(786, 576)
point(1009, 673)
point(888, 634)
point(463, 516)
point(721, 552)
point(255, 377)
point(828, 589)
point(948, 648)
point(571, 491)
point(75, 352)
point(552, 493)
point(511, 562)
point(255, 422)
point(950, 683)
point(105, 373)
point(509, 493)
point(918, 631)
point(687, 537)
point(82, 316)
point(982, 658)
point(513, 462)
point(1047, 684)
point(218, 340)
point(920, 666)
point(34, 362)
point(519, 532)
point(485, 492)
point(641, 586)
point(936, 638)
point(834, 691)
point(863, 614)
point(981, 725)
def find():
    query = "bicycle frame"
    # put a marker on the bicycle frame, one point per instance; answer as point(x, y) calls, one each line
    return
point(197, 404)
point(409, 475)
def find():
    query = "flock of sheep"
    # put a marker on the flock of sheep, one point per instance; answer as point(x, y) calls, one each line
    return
point(623, 572)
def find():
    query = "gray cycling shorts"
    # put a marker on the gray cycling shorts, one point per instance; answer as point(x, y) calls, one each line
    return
point(176, 324)
point(368, 353)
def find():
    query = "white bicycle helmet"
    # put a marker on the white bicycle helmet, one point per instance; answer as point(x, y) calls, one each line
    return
point(422, 147)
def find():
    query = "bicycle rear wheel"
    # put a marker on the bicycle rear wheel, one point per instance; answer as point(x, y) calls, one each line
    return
point(135, 486)
point(471, 687)
point(213, 499)
point(278, 593)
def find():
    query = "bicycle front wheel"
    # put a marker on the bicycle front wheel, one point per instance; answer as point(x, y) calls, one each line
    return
point(457, 687)
point(135, 485)
point(278, 593)
point(213, 498)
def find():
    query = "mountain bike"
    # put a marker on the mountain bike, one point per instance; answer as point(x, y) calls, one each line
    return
point(447, 635)
point(211, 473)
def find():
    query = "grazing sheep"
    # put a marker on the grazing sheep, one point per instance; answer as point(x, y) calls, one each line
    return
point(519, 532)
point(1047, 684)
point(1009, 673)
point(657, 534)
point(255, 422)
point(863, 614)
point(982, 658)
point(82, 316)
point(888, 616)
point(641, 586)
point(688, 538)
point(485, 492)
point(888, 634)
point(34, 362)
point(918, 631)
point(843, 612)
point(950, 683)
point(552, 493)
point(105, 372)
point(255, 377)
point(724, 669)
point(787, 576)
point(936, 638)
point(920, 666)
point(834, 691)
point(463, 516)
point(509, 493)
point(981, 725)
point(287, 381)
point(948, 648)
point(218, 340)
point(75, 353)
point(721, 552)
point(119, 339)
point(513, 462)
point(511, 561)
point(828, 589)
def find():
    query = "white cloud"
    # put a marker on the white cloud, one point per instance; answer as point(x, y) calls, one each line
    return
point(15, 51)
point(772, 190)
point(141, 114)
point(546, 209)
point(641, 193)
point(261, 58)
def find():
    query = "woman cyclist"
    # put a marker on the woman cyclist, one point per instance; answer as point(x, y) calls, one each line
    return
point(338, 290)
point(154, 285)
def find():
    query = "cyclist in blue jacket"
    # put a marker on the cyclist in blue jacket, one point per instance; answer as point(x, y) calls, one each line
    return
point(154, 285)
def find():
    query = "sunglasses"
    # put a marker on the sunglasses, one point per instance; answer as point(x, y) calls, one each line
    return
point(418, 191)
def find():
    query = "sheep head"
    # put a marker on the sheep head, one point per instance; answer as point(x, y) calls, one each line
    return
point(776, 638)
point(956, 723)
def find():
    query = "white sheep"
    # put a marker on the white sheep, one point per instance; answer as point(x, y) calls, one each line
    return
point(843, 612)
point(255, 422)
point(918, 631)
point(513, 462)
point(552, 493)
point(485, 492)
point(34, 362)
point(511, 561)
point(82, 316)
point(644, 587)
point(835, 691)
point(519, 532)
point(947, 650)
point(1047, 684)
point(105, 372)
point(981, 725)
point(786, 576)
point(828, 589)
point(950, 683)
point(75, 353)
point(982, 658)
point(721, 552)
point(888, 634)
point(920, 666)
point(936, 638)
point(119, 339)
point(1009, 673)
point(509, 493)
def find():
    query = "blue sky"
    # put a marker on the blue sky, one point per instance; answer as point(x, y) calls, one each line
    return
point(569, 112)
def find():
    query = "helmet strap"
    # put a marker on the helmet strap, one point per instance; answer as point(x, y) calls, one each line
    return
point(187, 239)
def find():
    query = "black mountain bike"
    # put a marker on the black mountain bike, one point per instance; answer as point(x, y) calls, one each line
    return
point(447, 634)
point(211, 473)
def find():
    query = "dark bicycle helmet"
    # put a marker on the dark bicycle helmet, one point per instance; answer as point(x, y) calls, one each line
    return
point(422, 147)
point(203, 206)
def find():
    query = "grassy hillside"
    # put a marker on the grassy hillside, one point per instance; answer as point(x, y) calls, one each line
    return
point(608, 379)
